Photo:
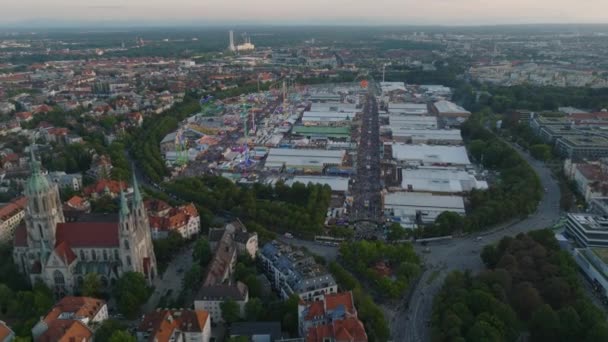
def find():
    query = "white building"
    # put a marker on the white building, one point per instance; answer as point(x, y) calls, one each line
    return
point(303, 159)
point(427, 136)
point(425, 207)
point(291, 271)
point(326, 117)
point(397, 121)
point(210, 299)
point(339, 107)
point(408, 108)
point(440, 180)
point(587, 230)
point(428, 155)
point(63, 180)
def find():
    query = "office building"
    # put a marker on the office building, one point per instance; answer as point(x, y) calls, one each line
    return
point(587, 230)
point(292, 271)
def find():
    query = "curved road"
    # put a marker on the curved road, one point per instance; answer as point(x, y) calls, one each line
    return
point(410, 324)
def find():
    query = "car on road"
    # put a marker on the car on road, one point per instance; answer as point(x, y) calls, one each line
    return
point(479, 238)
point(180, 270)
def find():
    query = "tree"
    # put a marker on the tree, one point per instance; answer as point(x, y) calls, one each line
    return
point(107, 328)
point(91, 285)
point(193, 277)
point(231, 312)
point(202, 252)
point(254, 309)
point(122, 336)
point(544, 325)
point(541, 151)
point(131, 293)
point(396, 232)
point(490, 256)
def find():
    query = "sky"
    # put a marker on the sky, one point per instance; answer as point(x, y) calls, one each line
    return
point(298, 12)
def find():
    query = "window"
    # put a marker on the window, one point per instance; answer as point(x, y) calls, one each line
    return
point(126, 243)
point(116, 257)
point(105, 255)
point(58, 278)
point(128, 260)
point(93, 255)
point(82, 256)
point(40, 231)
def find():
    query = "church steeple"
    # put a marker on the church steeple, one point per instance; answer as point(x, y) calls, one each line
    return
point(37, 183)
point(137, 200)
point(124, 208)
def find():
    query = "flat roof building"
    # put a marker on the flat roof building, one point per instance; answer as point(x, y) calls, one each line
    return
point(421, 206)
point(440, 180)
point(408, 108)
point(303, 159)
point(314, 117)
point(428, 155)
point(334, 107)
point(582, 146)
point(292, 271)
point(587, 230)
point(397, 121)
point(322, 132)
point(427, 136)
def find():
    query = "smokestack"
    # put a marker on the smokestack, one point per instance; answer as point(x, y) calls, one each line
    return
point(231, 44)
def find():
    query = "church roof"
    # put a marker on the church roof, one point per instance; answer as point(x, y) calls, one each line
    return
point(88, 234)
point(66, 253)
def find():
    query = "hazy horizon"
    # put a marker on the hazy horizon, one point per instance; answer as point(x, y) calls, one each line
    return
point(313, 12)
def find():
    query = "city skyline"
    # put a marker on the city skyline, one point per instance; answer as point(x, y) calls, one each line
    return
point(342, 12)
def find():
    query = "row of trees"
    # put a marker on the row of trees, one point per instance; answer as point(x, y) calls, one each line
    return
point(299, 209)
point(530, 285)
point(368, 311)
point(503, 99)
point(364, 257)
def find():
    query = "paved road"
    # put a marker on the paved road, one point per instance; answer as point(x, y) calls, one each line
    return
point(410, 324)
point(171, 280)
point(367, 185)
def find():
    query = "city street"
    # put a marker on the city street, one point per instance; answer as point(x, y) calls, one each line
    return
point(367, 185)
point(412, 322)
point(171, 280)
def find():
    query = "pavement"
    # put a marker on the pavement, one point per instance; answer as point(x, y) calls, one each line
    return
point(367, 183)
point(411, 323)
point(171, 280)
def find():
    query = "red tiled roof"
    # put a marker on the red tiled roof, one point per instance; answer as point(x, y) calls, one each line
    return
point(88, 234)
point(66, 253)
point(345, 330)
point(332, 301)
point(100, 186)
point(13, 208)
point(66, 330)
point(156, 205)
point(76, 202)
point(162, 323)
point(315, 309)
point(5, 331)
point(190, 209)
point(81, 307)
point(20, 236)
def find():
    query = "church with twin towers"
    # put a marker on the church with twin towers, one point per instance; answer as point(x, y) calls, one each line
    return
point(61, 254)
